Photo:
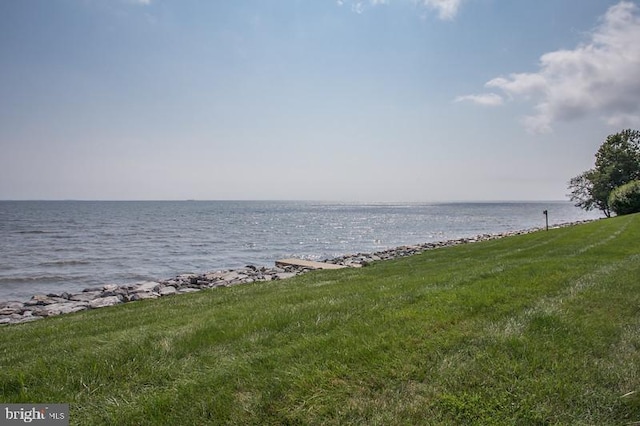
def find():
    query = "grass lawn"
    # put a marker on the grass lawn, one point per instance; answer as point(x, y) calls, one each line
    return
point(541, 328)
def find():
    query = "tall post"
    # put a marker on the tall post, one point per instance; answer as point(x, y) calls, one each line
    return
point(546, 217)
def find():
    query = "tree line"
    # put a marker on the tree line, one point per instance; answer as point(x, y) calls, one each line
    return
point(613, 185)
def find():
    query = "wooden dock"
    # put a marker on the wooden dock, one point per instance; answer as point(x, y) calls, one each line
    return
point(307, 264)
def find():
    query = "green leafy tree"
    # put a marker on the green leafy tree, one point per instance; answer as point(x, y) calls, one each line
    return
point(625, 199)
point(617, 163)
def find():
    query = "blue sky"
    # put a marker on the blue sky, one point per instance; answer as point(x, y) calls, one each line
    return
point(372, 100)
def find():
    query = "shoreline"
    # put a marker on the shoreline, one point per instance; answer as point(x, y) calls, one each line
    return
point(42, 306)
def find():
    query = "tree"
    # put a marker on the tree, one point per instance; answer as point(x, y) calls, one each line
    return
point(625, 199)
point(617, 163)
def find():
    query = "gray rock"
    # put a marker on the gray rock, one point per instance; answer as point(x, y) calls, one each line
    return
point(233, 275)
point(213, 276)
point(110, 287)
point(8, 308)
point(112, 290)
point(67, 308)
point(85, 296)
point(188, 278)
point(166, 291)
point(10, 311)
point(144, 287)
point(105, 301)
point(41, 299)
point(59, 308)
point(142, 296)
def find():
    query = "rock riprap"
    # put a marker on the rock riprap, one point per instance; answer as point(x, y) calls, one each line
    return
point(41, 306)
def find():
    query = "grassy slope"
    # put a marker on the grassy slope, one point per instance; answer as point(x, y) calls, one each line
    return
point(536, 329)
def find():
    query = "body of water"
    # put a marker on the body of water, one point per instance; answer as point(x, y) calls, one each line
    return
point(56, 246)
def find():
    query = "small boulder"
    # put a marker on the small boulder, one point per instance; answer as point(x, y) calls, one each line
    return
point(144, 287)
point(102, 302)
point(59, 308)
point(111, 290)
point(41, 299)
point(142, 296)
point(168, 290)
point(9, 308)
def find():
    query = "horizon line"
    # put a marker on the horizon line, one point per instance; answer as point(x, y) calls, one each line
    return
point(458, 201)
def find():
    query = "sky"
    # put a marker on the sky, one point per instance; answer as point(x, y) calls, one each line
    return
point(336, 100)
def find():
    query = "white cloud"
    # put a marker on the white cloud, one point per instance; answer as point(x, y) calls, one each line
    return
point(525, 84)
point(601, 76)
point(447, 9)
point(487, 99)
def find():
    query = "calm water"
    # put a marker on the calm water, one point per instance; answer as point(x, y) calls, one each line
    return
point(56, 246)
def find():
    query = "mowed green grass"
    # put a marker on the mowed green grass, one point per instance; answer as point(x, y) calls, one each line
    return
point(535, 329)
